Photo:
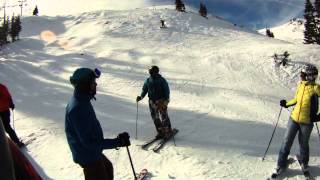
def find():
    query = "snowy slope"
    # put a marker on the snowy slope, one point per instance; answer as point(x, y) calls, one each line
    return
point(291, 31)
point(225, 91)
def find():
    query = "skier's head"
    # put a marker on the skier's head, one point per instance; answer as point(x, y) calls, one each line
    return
point(84, 80)
point(153, 71)
point(309, 72)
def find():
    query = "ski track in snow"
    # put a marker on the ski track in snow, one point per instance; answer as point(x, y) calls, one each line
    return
point(225, 91)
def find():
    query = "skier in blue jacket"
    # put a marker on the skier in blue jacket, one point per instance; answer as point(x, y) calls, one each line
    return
point(159, 96)
point(83, 130)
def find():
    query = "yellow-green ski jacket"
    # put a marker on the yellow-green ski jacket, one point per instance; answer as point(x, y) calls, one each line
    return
point(302, 101)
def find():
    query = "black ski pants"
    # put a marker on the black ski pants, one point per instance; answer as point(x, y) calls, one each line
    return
point(99, 170)
point(5, 117)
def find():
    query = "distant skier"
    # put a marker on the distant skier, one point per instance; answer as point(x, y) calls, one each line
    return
point(83, 130)
point(162, 24)
point(6, 104)
point(302, 117)
point(158, 92)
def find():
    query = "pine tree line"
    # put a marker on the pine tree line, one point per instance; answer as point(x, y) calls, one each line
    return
point(10, 28)
point(203, 10)
point(181, 7)
point(312, 23)
point(269, 33)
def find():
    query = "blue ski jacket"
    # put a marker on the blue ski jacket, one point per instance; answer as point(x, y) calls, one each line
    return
point(156, 87)
point(84, 132)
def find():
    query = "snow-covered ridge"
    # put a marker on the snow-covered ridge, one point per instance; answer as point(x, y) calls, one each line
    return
point(291, 31)
point(225, 90)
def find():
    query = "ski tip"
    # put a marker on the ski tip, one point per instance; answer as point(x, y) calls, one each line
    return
point(156, 151)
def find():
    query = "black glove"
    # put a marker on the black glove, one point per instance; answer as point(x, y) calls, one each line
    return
point(317, 118)
point(12, 106)
point(124, 139)
point(138, 98)
point(283, 103)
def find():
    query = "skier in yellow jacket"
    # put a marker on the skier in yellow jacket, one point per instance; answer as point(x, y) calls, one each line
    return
point(302, 117)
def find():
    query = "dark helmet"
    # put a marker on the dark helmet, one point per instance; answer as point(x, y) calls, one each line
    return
point(310, 71)
point(84, 76)
point(154, 70)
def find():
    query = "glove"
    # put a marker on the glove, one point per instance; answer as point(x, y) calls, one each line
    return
point(12, 106)
point(138, 98)
point(124, 139)
point(283, 103)
point(317, 118)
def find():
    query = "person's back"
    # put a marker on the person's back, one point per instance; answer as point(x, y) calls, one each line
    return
point(157, 88)
point(83, 130)
point(5, 104)
point(158, 92)
point(82, 126)
point(5, 98)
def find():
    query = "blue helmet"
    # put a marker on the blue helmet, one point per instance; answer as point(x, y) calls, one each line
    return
point(84, 76)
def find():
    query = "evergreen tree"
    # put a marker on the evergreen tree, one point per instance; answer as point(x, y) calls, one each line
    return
point(310, 25)
point(203, 10)
point(1, 36)
point(35, 11)
point(18, 26)
point(179, 5)
point(13, 30)
point(317, 16)
point(5, 30)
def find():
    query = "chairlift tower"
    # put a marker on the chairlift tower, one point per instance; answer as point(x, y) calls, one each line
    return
point(21, 4)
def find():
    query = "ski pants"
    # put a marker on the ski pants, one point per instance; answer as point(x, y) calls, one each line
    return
point(304, 132)
point(159, 114)
point(5, 117)
point(99, 170)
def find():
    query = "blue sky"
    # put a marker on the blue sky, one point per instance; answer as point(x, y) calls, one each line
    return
point(254, 14)
point(249, 13)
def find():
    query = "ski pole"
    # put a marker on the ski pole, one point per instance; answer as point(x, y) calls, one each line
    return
point(134, 172)
point(274, 130)
point(137, 122)
point(174, 141)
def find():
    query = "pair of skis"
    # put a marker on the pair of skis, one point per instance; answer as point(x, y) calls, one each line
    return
point(291, 160)
point(162, 142)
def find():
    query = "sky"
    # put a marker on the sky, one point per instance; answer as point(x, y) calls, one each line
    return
point(254, 14)
point(251, 13)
